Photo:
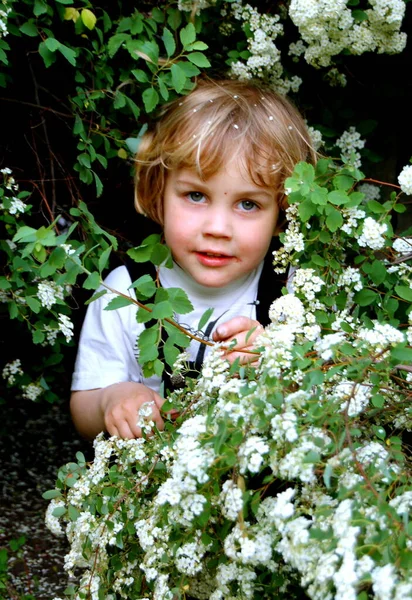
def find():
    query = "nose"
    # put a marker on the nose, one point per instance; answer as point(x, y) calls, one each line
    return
point(217, 222)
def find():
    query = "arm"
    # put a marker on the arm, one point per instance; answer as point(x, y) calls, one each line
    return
point(113, 409)
point(245, 331)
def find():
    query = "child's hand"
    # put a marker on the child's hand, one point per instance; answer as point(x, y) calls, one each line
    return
point(120, 406)
point(245, 331)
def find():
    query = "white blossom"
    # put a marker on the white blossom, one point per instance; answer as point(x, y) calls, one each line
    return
point(11, 370)
point(49, 293)
point(372, 234)
point(405, 180)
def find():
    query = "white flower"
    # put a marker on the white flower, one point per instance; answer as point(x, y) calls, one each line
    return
point(49, 293)
point(405, 180)
point(12, 369)
point(383, 582)
point(349, 143)
point(372, 192)
point(402, 245)
point(17, 206)
point(66, 327)
point(372, 234)
point(251, 454)
point(32, 391)
point(53, 522)
point(232, 500)
point(144, 419)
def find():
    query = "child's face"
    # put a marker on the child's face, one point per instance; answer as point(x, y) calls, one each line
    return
point(220, 229)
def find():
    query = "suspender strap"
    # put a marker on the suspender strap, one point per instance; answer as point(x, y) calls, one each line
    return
point(269, 286)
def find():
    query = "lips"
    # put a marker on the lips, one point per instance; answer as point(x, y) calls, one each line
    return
point(213, 259)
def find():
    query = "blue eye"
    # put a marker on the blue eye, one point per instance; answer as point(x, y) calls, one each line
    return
point(248, 205)
point(195, 196)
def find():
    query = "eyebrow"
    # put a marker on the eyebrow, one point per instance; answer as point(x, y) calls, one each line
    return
point(199, 183)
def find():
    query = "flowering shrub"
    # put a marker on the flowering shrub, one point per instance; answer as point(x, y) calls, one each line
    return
point(290, 478)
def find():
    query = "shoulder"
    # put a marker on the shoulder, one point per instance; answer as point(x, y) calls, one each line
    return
point(119, 279)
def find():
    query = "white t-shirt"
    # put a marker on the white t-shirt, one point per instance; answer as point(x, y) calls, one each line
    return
point(107, 350)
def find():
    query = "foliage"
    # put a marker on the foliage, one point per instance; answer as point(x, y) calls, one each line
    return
point(7, 554)
point(292, 478)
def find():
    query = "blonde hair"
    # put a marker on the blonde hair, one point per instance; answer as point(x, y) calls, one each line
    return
point(217, 120)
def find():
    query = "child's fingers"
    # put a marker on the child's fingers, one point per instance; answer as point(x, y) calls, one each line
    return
point(122, 419)
point(233, 328)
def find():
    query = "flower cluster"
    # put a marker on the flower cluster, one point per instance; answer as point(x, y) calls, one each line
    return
point(49, 293)
point(349, 143)
point(264, 61)
point(11, 369)
point(329, 27)
point(405, 180)
point(4, 12)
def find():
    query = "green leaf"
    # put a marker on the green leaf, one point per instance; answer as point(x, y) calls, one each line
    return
point(343, 182)
point(170, 352)
point(52, 44)
point(306, 210)
point(88, 18)
point(40, 7)
point(180, 301)
point(115, 42)
point(150, 98)
point(33, 304)
point(29, 28)
point(378, 272)
point(50, 494)
point(402, 354)
point(96, 296)
point(365, 297)
point(141, 253)
point(145, 286)
point(198, 59)
point(189, 69)
point(160, 253)
point(375, 207)
point(187, 35)
point(334, 220)
point(92, 282)
point(169, 42)
point(338, 197)
point(25, 234)
point(178, 77)
point(48, 57)
point(164, 92)
point(199, 46)
point(103, 258)
point(319, 196)
point(158, 15)
point(119, 100)
point(98, 184)
point(162, 310)
point(404, 292)
point(4, 284)
point(59, 511)
point(378, 401)
point(205, 318)
point(359, 15)
point(147, 343)
point(118, 302)
point(174, 18)
point(140, 75)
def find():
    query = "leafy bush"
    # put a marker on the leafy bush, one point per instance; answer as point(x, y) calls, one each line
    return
point(286, 480)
